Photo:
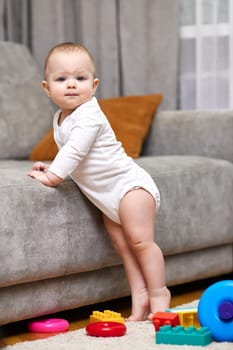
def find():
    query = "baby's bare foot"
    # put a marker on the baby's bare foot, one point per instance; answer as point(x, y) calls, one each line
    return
point(140, 306)
point(159, 301)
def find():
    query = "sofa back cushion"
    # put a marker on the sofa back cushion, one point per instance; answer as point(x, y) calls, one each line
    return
point(25, 111)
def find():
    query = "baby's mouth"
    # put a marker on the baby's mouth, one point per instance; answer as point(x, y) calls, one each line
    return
point(71, 94)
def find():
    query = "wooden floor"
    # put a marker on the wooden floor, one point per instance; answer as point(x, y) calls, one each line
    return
point(17, 332)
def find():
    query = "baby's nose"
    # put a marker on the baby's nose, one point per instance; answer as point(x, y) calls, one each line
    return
point(71, 83)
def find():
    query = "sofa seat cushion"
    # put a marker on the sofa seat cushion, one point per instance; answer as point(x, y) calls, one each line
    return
point(50, 232)
point(47, 232)
point(196, 197)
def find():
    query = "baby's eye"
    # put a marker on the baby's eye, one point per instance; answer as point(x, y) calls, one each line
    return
point(80, 78)
point(60, 79)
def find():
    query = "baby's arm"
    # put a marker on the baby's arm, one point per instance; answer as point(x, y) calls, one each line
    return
point(40, 172)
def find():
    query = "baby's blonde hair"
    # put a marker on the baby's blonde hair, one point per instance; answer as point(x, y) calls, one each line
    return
point(69, 47)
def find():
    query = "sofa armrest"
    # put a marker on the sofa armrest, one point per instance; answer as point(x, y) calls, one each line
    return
point(203, 133)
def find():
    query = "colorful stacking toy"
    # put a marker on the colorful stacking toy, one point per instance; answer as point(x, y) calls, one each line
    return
point(215, 310)
point(106, 324)
point(106, 329)
point(48, 325)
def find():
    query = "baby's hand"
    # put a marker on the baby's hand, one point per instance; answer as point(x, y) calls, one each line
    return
point(38, 175)
point(44, 176)
point(39, 166)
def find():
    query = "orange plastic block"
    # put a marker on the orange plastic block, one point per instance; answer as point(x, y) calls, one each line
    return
point(188, 317)
point(106, 316)
point(165, 318)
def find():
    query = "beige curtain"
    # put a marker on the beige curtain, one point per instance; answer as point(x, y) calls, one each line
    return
point(134, 42)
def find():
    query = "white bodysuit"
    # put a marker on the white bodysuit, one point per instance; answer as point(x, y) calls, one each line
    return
point(96, 161)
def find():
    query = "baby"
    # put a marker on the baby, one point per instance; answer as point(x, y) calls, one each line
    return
point(112, 181)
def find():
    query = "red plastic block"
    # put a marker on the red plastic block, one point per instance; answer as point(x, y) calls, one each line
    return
point(165, 318)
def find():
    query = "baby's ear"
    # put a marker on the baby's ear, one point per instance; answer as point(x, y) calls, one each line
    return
point(45, 87)
point(95, 85)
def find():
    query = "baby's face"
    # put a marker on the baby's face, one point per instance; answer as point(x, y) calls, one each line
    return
point(70, 79)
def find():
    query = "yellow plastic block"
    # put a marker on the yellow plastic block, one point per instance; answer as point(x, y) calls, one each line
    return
point(188, 316)
point(106, 316)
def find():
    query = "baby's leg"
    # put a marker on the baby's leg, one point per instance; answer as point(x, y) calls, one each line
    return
point(137, 214)
point(139, 294)
point(159, 300)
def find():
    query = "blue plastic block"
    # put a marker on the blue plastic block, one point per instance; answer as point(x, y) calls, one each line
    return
point(182, 309)
point(183, 336)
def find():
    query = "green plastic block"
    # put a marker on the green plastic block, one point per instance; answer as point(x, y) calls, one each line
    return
point(183, 336)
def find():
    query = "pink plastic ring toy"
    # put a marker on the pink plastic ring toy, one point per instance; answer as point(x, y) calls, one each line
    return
point(106, 329)
point(50, 325)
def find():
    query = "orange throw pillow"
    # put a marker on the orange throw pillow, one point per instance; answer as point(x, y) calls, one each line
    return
point(129, 116)
point(46, 149)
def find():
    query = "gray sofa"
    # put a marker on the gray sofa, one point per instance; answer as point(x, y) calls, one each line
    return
point(54, 251)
